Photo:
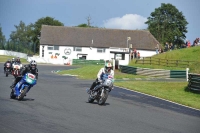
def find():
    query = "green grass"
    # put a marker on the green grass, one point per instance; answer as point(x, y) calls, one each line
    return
point(186, 54)
point(173, 91)
point(4, 58)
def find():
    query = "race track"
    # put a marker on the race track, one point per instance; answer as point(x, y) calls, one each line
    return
point(58, 104)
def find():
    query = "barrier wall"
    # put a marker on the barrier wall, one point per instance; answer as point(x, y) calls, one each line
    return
point(13, 53)
point(194, 81)
point(155, 72)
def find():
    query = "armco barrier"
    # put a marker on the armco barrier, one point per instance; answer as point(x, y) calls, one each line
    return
point(194, 82)
point(154, 72)
point(85, 62)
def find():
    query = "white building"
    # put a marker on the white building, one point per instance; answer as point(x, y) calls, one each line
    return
point(59, 44)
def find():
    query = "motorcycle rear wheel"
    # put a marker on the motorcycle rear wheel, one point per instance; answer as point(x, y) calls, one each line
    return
point(23, 93)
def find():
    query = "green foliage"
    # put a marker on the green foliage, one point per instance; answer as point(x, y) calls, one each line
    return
point(37, 28)
point(85, 26)
point(2, 39)
point(21, 40)
point(25, 38)
point(167, 24)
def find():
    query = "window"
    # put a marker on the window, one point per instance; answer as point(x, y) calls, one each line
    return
point(78, 49)
point(56, 47)
point(50, 52)
point(53, 47)
point(101, 50)
point(50, 48)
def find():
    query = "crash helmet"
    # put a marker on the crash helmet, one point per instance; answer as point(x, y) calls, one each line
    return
point(8, 60)
point(108, 66)
point(18, 59)
point(33, 64)
point(13, 59)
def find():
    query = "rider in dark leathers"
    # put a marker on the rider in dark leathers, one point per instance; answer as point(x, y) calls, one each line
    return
point(8, 61)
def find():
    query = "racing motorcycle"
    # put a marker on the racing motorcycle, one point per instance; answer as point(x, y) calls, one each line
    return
point(16, 69)
point(7, 69)
point(23, 86)
point(101, 91)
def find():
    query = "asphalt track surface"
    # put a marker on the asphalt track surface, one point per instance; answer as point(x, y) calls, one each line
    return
point(58, 104)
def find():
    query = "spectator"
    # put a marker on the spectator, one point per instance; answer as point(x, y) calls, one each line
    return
point(188, 44)
point(132, 54)
point(196, 41)
point(135, 53)
point(138, 55)
point(166, 46)
point(171, 46)
point(157, 52)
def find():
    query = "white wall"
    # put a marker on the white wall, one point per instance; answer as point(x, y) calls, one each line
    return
point(91, 54)
point(13, 53)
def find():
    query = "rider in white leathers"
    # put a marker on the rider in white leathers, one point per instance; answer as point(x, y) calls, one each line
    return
point(105, 70)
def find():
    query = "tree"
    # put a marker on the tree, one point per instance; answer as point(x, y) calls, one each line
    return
point(167, 24)
point(2, 39)
point(88, 25)
point(37, 28)
point(20, 38)
point(85, 26)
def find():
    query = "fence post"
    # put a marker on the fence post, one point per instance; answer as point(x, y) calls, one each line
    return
point(143, 61)
point(150, 60)
point(187, 72)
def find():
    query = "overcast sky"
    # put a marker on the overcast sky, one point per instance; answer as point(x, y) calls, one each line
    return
point(115, 14)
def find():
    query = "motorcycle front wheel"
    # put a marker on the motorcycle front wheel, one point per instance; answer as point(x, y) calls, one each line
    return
point(12, 95)
point(90, 99)
point(103, 98)
point(23, 93)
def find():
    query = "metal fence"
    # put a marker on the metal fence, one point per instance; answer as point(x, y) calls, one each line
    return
point(165, 62)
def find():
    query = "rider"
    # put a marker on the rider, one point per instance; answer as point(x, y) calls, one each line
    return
point(31, 68)
point(18, 60)
point(105, 70)
point(12, 62)
point(8, 61)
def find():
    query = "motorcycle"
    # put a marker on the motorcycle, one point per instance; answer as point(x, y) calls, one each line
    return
point(7, 69)
point(23, 86)
point(16, 69)
point(101, 91)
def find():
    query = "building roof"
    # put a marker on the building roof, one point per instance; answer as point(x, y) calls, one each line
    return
point(96, 37)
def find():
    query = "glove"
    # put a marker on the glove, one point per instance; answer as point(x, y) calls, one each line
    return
point(100, 81)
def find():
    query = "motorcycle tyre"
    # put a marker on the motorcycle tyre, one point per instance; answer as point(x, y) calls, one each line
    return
point(90, 99)
point(23, 93)
point(103, 99)
point(12, 95)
